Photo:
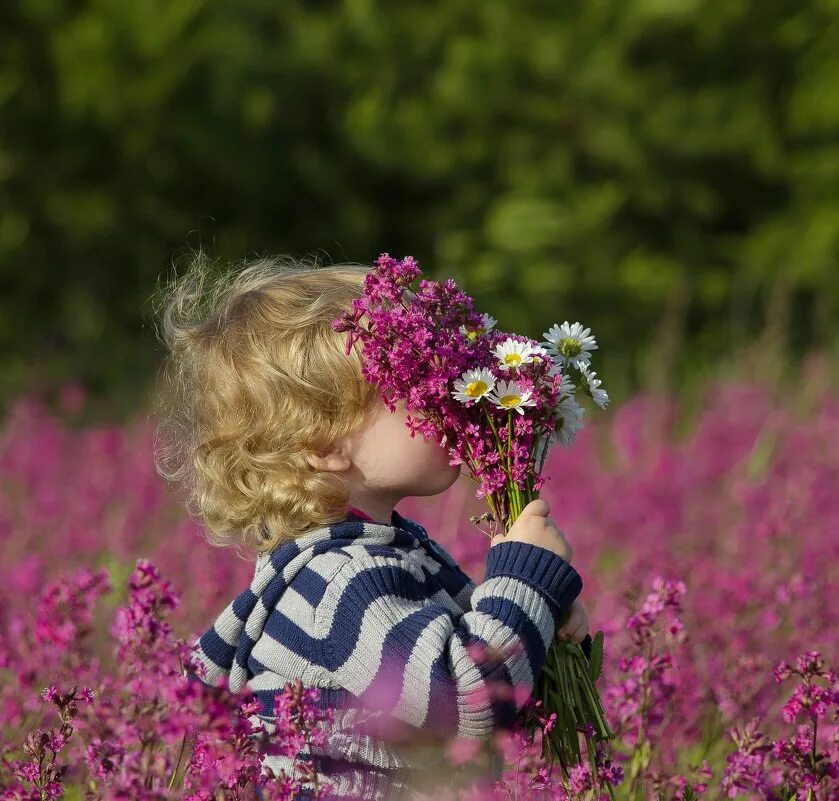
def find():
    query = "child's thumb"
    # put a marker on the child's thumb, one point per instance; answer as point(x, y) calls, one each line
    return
point(538, 507)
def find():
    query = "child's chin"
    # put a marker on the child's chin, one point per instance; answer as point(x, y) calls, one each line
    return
point(453, 473)
point(437, 481)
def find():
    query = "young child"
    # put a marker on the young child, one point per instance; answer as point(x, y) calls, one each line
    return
point(289, 451)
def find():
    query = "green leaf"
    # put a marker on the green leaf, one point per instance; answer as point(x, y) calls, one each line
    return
point(595, 664)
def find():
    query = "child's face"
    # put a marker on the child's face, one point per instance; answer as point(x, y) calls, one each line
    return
point(382, 463)
point(385, 453)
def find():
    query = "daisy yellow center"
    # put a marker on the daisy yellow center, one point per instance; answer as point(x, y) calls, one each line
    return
point(510, 400)
point(476, 388)
point(513, 359)
point(473, 333)
point(569, 347)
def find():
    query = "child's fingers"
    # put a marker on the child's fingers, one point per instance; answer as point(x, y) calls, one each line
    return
point(575, 633)
point(579, 634)
point(575, 627)
point(574, 619)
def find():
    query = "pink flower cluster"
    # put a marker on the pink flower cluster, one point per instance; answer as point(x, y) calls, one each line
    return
point(147, 732)
point(468, 385)
point(734, 497)
point(793, 766)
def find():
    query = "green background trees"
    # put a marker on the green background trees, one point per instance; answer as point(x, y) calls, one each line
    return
point(665, 171)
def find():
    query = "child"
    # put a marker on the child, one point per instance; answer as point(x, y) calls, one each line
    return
point(289, 451)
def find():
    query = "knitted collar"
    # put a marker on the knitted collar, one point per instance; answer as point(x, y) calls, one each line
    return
point(357, 527)
point(396, 520)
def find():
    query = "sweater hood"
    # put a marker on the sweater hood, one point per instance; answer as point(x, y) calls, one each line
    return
point(224, 649)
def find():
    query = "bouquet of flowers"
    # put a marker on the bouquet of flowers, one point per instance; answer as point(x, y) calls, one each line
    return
point(496, 401)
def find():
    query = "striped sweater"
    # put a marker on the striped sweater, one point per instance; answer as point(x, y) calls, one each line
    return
point(381, 618)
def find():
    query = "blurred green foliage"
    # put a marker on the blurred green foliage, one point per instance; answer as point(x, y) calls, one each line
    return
point(665, 171)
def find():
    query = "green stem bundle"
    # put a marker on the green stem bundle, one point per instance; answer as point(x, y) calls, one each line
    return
point(566, 685)
point(566, 688)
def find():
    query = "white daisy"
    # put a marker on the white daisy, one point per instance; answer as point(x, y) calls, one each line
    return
point(599, 396)
point(565, 387)
point(570, 343)
point(569, 420)
point(487, 324)
point(509, 395)
point(473, 385)
point(512, 354)
point(538, 353)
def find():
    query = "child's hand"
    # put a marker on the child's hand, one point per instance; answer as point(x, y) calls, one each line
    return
point(574, 626)
point(534, 527)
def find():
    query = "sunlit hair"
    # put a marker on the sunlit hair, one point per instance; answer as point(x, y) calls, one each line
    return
point(255, 378)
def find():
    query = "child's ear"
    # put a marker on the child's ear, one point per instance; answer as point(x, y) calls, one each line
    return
point(333, 461)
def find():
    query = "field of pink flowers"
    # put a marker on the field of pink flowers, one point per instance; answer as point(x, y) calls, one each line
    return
point(707, 543)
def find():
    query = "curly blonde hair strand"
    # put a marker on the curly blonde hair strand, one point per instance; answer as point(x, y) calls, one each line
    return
point(256, 378)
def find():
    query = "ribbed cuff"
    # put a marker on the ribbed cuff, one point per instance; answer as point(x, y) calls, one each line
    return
point(540, 568)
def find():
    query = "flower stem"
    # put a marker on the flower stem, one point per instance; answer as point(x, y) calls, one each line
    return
point(178, 764)
point(494, 431)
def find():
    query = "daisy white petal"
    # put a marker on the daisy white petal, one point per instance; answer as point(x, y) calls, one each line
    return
point(570, 342)
point(512, 354)
point(473, 385)
point(471, 333)
point(569, 420)
point(565, 387)
point(592, 385)
point(509, 395)
point(538, 353)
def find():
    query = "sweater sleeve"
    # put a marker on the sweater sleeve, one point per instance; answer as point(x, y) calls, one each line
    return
point(416, 663)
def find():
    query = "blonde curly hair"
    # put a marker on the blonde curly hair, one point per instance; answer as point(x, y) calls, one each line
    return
point(255, 379)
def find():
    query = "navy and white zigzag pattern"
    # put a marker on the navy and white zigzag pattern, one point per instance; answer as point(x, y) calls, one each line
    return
point(380, 617)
